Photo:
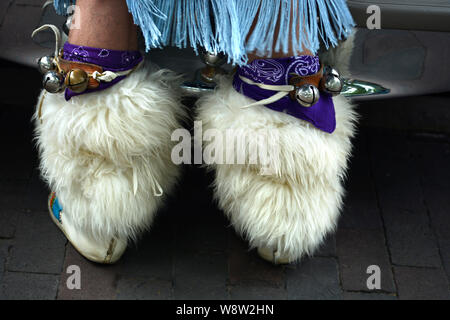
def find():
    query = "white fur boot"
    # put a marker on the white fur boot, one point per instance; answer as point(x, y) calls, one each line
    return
point(106, 155)
point(288, 213)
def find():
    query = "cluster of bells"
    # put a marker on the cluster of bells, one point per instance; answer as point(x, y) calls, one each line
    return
point(77, 80)
point(56, 81)
point(308, 95)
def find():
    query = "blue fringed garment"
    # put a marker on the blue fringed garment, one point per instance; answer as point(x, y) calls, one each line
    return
point(224, 25)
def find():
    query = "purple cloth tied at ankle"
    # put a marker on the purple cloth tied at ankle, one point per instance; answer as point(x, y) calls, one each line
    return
point(277, 72)
point(110, 60)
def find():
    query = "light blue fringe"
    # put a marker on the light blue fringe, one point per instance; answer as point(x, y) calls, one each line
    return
point(61, 6)
point(182, 23)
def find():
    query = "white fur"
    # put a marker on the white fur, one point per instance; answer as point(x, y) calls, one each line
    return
point(294, 209)
point(105, 153)
point(340, 56)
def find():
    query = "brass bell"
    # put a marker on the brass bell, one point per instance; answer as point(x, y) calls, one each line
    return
point(77, 80)
point(331, 81)
point(53, 82)
point(46, 64)
point(307, 95)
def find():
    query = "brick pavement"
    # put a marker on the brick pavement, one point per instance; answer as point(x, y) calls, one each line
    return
point(397, 216)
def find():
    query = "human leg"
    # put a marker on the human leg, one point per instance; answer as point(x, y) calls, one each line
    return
point(288, 213)
point(106, 152)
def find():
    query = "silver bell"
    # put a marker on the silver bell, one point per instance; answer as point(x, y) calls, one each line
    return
point(53, 82)
point(332, 71)
point(46, 64)
point(212, 59)
point(307, 95)
point(331, 81)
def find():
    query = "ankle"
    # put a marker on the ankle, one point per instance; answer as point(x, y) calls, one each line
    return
point(104, 24)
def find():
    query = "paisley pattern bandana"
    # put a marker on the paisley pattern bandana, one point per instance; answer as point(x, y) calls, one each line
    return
point(110, 60)
point(278, 72)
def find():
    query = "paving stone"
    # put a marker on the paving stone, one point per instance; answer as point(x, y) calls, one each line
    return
point(411, 240)
point(433, 159)
point(403, 250)
point(328, 248)
point(12, 197)
point(407, 113)
point(438, 204)
point(357, 250)
point(314, 279)
point(38, 246)
point(152, 256)
point(98, 282)
point(4, 5)
point(130, 288)
point(36, 199)
point(200, 266)
point(17, 140)
point(368, 296)
point(8, 222)
point(18, 165)
point(205, 233)
point(360, 204)
point(195, 209)
point(28, 286)
point(444, 245)
point(421, 283)
point(200, 276)
point(445, 252)
point(246, 267)
point(257, 292)
point(4, 248)
point(435, 172)
point(23, 96)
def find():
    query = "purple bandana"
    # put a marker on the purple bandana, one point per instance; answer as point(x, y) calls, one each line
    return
point(277, 72)
point(110, 60)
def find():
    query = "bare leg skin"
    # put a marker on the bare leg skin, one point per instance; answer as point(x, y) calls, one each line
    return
point(104, 24)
